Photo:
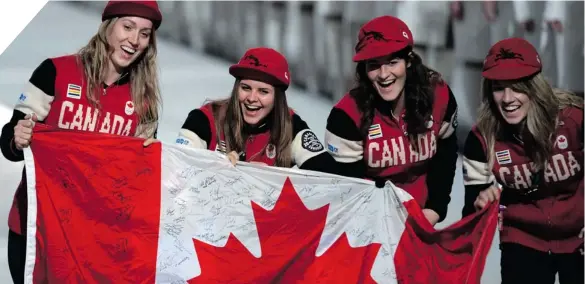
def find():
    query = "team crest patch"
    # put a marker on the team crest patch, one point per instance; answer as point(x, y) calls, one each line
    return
point(22, 98)
point(270, 151)
point(310, 142)
point(562, 142)
point(73, 91)
point(129, 108)
point(375, 131)
point(504, 157)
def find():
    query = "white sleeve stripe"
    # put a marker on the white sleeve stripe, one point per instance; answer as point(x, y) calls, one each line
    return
point(447, 128)
point(475, 172)
point(305, 145)
point(343, 150)
point(34, 100)
point(188, 137)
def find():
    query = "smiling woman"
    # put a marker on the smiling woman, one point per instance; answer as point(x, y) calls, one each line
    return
point(529, 140)
point(399, 121)
point(255, 123)
point(109, 86)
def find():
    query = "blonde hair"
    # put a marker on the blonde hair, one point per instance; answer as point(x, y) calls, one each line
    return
point(94, 57)
point(229, 121)
point(541, 118)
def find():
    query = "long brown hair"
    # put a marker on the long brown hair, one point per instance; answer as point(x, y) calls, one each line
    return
point(541, 119)
point(230, 121)
point(94, 58)
point(419, 93)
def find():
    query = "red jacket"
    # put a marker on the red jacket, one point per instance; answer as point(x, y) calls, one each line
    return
point(425, 171)
point(307, 152)
point(544, 211)
point(56, 94)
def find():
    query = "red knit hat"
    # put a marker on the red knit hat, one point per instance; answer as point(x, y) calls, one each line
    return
point(144, 9)
point(382, 36)
point(511, 59)
point(263, 64)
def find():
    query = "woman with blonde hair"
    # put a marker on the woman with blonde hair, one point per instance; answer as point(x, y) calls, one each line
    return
point(109, 86)
point(529, 140)
point(255, 123)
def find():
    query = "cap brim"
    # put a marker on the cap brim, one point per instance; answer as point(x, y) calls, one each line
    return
point(241, 72)
point(379, 51)
point(509, 73)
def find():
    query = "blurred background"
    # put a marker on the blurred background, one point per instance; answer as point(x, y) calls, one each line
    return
point(198, 40)
point(318, 37)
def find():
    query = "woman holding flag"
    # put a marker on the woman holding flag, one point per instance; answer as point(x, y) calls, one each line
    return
point(529, 139)
point(399, 122)
point(255, 123)
point(109, 86)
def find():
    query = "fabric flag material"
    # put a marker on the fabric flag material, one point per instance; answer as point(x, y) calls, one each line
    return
point(105, 209)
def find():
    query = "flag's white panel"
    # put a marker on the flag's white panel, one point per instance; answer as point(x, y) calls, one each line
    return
point(14, 16)
point(207, 199)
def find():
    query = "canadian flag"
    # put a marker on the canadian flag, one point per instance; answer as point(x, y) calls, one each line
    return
point(105, 209)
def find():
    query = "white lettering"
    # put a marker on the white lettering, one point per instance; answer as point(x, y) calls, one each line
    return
point(401, 154)
point(561, 167)
point(393, 151)
point(105, 128)
point(77, 119)
point(86, 119)
point(574, 166)
point(118, 124)
point(373, 146)
point(126, 130)
point(65, 105)
point(89, 123)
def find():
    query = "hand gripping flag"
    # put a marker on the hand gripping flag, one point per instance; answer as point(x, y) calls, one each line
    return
point(105, 209)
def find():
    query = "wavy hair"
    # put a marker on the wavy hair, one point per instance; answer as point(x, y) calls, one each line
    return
point(540, 124)
point(94, 57)
point(230, 121)
point(419, 93)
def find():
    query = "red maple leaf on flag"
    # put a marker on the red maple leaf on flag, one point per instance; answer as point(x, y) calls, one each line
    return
point(289, 236)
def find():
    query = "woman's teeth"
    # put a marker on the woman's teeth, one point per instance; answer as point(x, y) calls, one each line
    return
point(128, 49)
point(511, 108)
point(252, 108)
point(386, 84)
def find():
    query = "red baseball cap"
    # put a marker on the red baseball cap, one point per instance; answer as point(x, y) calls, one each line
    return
point(382, 36)
point(511, 59)
point(144, 9)
point(263, 64)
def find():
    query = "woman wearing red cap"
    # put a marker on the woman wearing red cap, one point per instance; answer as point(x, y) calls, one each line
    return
point(109, 86)
point(255, 123)
point(528, 139)
point(398, 123)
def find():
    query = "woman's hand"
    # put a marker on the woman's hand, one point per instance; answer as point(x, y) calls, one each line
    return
point(431, 216)
point(233, 157)
point(149, 141)
point(23, 131)
point(486, 196)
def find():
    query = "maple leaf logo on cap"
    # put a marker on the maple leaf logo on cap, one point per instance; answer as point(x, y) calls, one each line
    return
point(369, 36)
point(289, 236)
point(506, 53)
point(253, 60)
point(129, 104)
